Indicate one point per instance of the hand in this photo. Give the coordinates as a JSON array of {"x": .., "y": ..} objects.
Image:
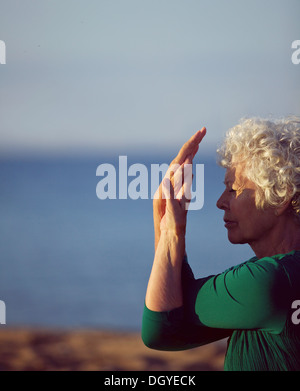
[
  {"x": 186, "y": 154},
  {"x": 177, "y": 192}
]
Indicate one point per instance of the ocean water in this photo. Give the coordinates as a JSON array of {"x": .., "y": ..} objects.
[{"x": 71, "y": 260}]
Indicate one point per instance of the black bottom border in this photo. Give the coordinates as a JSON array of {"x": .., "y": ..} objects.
[{"x": 144, "y": 380}]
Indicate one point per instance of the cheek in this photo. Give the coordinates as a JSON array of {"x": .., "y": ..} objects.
[
  {"x": 243, "y": 208},
  {"x": 244, "y": 211},
  {"x": 252, "y": 221}
]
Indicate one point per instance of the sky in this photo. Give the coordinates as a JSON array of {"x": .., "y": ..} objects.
[{"x": 83, "y": 76}]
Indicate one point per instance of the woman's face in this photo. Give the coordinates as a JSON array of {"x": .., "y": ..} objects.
[{"x": 244, "y": 222}]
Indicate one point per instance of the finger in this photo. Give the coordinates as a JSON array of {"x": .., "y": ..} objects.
[
  {"x": 169, "y": 191},
  {"x": 186, "y": 190},
  {"x": 175, "y": 174},
  {"x": 177, "y": 182},
  {"x": 194, "y": 152},
  {"x": 191, "y": 146},
  {"x": 167, "y": 188},
  {"x": 188, "y": 179},
  {"x": 182, "y": 180},
  {"x": 189, "y": 159}
]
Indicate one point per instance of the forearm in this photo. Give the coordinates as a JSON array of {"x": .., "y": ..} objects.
[{"x": 164, "y": 291}]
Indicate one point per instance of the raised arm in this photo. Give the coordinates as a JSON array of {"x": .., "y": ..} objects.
[{"x": 164, "y": 291}]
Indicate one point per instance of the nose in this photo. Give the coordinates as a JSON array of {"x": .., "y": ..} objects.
[{"x": 222, "y": 202}]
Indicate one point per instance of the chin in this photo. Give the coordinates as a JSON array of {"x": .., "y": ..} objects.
[{"x": 234, "y": 239}]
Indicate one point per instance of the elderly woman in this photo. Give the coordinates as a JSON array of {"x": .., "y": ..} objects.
[{"x": 251, "y": 303}]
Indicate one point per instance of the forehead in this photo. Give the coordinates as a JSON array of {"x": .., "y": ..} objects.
[
  {"x": 232, "y": 174},
  {"x": 229, "y": 175},
  {"x": 235, "y": 174}
]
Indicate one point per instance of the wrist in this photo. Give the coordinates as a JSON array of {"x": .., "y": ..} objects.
[
  {"x": 173, "y": 233},
  {"x": 173, "y": 228},
  {"x": 175, "y": 243}
]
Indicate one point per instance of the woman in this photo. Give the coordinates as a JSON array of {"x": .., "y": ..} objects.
[{"x": 251, "y": 303}]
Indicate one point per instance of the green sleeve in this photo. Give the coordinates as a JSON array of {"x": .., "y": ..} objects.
[
  {"x": 172, "y": 331},
  {"x": 253, "y": 295},
  {"x": 179, "y": 329}
]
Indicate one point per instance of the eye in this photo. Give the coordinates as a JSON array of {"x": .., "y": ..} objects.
[{"x": 232, "y": 191}]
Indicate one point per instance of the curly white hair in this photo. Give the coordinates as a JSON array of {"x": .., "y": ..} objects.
[{"x": 270, "y": 154}]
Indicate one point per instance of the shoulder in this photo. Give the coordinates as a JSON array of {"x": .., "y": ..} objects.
[
  {"x": 269, "y": 279},
  {"x": 266, "y": 269},
  {"x": 254, "y": 278},
  {"x": 253, "y": 294}
]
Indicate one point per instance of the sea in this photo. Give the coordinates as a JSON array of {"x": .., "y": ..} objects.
[{"x": 71, "y": 260}]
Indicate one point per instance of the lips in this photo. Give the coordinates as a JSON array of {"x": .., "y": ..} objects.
[{"x": 229, "y": 223}]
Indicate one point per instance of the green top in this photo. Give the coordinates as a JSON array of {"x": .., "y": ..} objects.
[{"x": 250, "y": 303}]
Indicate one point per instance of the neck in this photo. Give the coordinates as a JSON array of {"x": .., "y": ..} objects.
[{"x": 283, "y": 238}]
